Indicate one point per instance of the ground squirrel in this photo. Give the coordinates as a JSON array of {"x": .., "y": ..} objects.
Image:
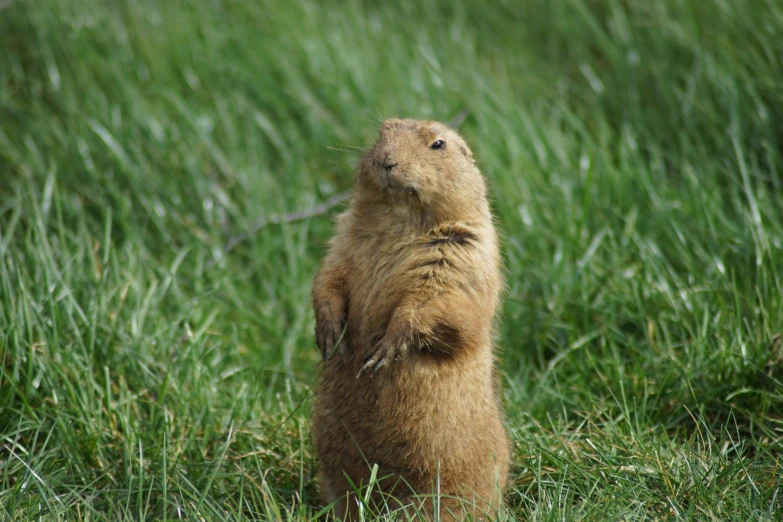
[{"x": 411, "y": 283}]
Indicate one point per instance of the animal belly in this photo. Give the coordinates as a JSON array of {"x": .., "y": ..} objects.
[{"x": 418, "y": 423}]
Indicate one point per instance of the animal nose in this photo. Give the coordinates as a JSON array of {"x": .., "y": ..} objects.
[{"x": 388, "y": 162}]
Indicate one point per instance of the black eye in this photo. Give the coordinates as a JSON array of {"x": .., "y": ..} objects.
[{"x": 438, "y": 145}]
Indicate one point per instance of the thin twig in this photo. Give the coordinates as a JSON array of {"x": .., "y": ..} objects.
[{"x": 317, "y": 210}]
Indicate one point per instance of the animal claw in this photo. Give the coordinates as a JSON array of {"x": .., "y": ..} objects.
[{"x": 386, "y": 354}]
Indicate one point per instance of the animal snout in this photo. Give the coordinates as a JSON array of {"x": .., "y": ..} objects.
[{"x": 388, "y": 162}]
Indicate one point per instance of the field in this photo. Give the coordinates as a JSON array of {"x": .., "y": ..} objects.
[{"x": 635, "y": 155}]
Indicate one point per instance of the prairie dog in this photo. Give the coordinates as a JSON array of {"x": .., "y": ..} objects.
[{"x": 411, "y": 281}]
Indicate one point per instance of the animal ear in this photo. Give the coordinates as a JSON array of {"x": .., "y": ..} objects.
[{"x": 465, "y": 150}]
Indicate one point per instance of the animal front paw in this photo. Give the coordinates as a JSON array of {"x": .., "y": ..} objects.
[
  {"x": 329, "y": 332},
  {"x": 388, "y": 351}
]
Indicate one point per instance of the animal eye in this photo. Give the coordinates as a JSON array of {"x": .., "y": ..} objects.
[{"x": 438, "y": 145}]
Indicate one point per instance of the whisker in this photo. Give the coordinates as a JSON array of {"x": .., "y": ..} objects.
[
  {"x": 375, "y": 118},
  {"x": 353, "y": 147},
  {"x": 341, "y": 150}
]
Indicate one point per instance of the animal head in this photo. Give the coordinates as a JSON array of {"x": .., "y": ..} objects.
[{"x": 423, "y": 164}]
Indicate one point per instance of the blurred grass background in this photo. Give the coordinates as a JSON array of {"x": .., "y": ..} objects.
[{"x": 634, "y": 150}]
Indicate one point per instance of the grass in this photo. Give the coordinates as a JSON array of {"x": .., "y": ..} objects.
[{"x": 635, "y": 153}]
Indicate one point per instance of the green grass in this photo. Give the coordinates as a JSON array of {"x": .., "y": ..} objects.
[{"x": 635, "y": 152}]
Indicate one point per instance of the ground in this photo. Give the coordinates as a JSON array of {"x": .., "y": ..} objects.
[{"x": 635, "y": 155}]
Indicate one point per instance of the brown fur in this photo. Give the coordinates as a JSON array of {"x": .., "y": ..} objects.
[{"x": 413, "y": 273}]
